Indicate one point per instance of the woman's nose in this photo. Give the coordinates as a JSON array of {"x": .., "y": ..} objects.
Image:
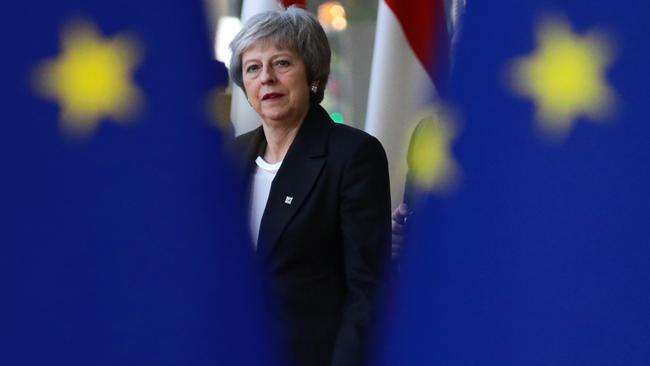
[{"x": 268, "y": 76}]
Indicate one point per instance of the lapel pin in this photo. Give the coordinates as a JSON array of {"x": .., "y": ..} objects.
[{"x": 288, "y": 200}]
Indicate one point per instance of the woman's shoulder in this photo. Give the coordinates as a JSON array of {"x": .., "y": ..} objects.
[
  {"x": 245, "y": 137},
  {"x": 245, "y": 141},
  {"x": 351, "y": 135},
  {"x": 348, "y": 140}
]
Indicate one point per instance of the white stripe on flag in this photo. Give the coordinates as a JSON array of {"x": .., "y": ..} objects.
[{"x": 401, "y": 92}]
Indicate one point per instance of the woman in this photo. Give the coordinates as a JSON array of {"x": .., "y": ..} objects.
[{"x": 319, "y": 191}]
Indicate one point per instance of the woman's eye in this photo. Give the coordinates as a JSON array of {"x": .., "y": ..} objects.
[
  {"x": 252, "y": 68},
  {"x": 282, "y": 63}
]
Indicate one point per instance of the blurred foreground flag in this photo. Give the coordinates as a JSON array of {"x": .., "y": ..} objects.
[
  {"x": 122, "y": 236},
  {"x": 542, "y": 255}
]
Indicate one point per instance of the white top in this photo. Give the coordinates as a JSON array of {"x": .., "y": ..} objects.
[{"x": 262, "y": 180}]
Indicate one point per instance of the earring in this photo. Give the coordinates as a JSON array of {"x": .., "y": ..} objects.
[{"x": 314, "y": 88}]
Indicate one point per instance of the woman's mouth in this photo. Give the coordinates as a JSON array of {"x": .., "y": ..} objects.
[{"x": 268, "y": 96}]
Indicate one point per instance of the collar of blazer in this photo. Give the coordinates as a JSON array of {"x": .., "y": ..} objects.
[{"x": 299, "y": 172}]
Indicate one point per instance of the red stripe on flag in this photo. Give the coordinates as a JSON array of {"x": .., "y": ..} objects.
[
  {"x": 425, "y": 27},
  {"x": 298, "y": 3}
]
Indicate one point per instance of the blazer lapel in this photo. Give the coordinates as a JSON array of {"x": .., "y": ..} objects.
[{"x": 294, "y": 181}]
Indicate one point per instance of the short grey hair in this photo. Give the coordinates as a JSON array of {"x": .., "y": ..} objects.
[{"x": 294, "y": 29}]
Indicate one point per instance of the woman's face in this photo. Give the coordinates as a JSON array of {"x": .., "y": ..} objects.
[{"x": 276, "y": 84}]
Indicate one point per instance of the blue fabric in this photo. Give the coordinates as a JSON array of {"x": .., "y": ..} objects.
[
  {"x": 541, "y": 256},
  {"x": 127, "y": 246}
]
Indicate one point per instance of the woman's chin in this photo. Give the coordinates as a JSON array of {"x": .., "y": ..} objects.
[{"x": 280, "y": 117}]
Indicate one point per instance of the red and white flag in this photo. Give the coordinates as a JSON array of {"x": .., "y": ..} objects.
[{"x": 410, "y": 57}]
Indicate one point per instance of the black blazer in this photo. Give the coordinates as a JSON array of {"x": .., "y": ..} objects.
[{"x": 324, "y": 237}]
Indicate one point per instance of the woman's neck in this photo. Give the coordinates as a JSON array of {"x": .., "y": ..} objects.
[{"x": 278, "y": 140}]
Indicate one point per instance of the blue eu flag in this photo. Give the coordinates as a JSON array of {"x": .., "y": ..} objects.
[
  {"x": 122, "y": 236},
  {"x": 538, "y": 251}
]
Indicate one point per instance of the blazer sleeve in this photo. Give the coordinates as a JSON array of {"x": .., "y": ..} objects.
[{"x": 365, "y": 227}]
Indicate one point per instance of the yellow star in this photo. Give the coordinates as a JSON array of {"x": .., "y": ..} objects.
[
  {"x": 431, "y": 164},
  {"x": 565, "y": 76},
  {"x": 91, "y": 79}
]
